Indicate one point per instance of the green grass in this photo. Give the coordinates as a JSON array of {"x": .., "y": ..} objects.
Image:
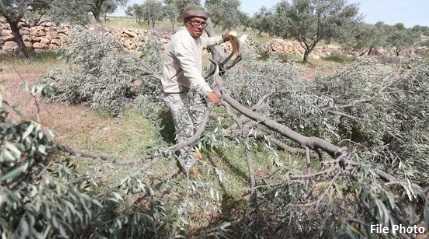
[
  {"x": 125, "y": 137},
  {"x": 339, "y": 58},
  {"x": 124, "y": 22},
  {"x": 38, "y": 61}
]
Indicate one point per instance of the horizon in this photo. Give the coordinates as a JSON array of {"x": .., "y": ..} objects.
[{"x": 410, "y": 13}]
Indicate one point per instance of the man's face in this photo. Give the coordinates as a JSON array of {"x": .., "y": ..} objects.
[{"x": 196, "y": 26}]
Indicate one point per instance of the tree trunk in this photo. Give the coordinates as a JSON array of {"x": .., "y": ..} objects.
[
  {"x": 173, "y": 23},
  {"x": 13, "y": 23},
  {"x": 306, "y": 54},
  {"x": 96, "y": 10},
  {"x": 96, "y": 15}
]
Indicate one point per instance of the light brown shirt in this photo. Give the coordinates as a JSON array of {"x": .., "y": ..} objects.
[{"x": 183, "y": 62}]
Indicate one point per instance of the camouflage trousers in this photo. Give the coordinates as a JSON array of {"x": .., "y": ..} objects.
[{"x": 188, "y": 110}]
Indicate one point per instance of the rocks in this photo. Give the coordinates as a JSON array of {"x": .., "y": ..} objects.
[
  {"x": 129, "y": 33},
  {"x": 56, "y": 42},
  {"x": 39, "y": 45},
  {"x": 6, "y": 37},
  {"x": 48, "y": 35},
  {"x": 10, "y": 46},
  {"x": 45, "y": 36}
]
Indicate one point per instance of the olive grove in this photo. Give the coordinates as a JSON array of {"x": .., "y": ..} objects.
[{"x": 340, "y": 153}]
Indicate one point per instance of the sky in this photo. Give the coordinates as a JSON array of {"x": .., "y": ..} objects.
[{"x": 409, "y": 12}]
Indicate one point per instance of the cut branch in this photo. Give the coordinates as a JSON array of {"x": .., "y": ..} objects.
[{"x": 313, "y": 143}]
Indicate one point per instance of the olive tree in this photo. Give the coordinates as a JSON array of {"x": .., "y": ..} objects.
[
  {"x": 98, "y": 8},
  {"x": 182, "y": 4},
  {"x": 15, "y": 11},
  {"x": 170, "y": 12},
  {"x": 225, "y": 13},
  {"x": 310, "y": 21},
  {"x": 263, "y": 20},
  {"x": 400, "y": 37}
]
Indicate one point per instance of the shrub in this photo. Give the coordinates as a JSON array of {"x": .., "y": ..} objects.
[
  {"x": 101, "y": 74},
  {"x": 42, "y": 197}
]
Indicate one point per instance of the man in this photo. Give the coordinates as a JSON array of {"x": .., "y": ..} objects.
[{"x": 185, "y": 90}]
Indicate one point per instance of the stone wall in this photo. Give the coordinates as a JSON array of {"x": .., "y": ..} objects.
[
  {"x": 293, "y": 47},
  {"x": 50, "y": 36},
  {"x": 45, "y": 36}
]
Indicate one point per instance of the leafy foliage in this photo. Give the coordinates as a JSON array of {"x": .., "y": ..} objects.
[
  {"x": 150, "y": 11},
  {"x": 309, "y": 21},
  {"x": 101, "y": 74},
  {"x": 225, "y": 13},
  {"x": 378, "y": 112},
  {"x": 42, "y": 196}
]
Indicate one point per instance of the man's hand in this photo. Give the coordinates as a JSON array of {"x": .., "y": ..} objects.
[
  {"x": 227, "y": 36},
  {"x": 214, "y": 97}
]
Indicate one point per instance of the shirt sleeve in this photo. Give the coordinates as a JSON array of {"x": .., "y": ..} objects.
[
  {"x": 188, "y": 64},
  {"x": 211, "y": 41}
]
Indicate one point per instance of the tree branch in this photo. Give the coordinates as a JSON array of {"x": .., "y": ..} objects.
[{"x": 310, "y": 142}]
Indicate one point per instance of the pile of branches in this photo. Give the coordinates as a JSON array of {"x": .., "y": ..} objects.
[
  {"x": 101, "y": 74},
  {"x": 42, "y": 196},
  {"x": 367, "y": 126},
  {"x": 378, "y": 113}
]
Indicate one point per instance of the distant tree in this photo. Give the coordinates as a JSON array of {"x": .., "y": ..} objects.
[
  {"x": 365, "y": 36},
  {"x": 310, "y": 21},
  {"x": 99, "y": 7},
  {"x": 182, "y": 4},
  {"x": 263, "y": 20},
  {"x": 224, "y": 13},
  {"x": 170, "y": 12},
  {"x": 152, "y": 12},
  {"x": 400, "y": 37},
  {"x": 137, "y": 11},
  {"x": 279, "y": 19},
  {"x": 245, "y": 19},
  {"x": 129, "y": 11},
  {"x": 421, "y": 29},
  {"x": 108, "y": 8}
]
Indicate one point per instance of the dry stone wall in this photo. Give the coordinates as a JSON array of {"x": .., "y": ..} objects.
[
  {"x": 293, "y": 47},
  {"x": 50, "y": 36},
  {"x": 45, "y": 36}
]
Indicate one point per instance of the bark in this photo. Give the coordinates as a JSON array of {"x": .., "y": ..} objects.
[
  {"x": 306, "y": 54},
  {"x": 13, "y": 23},
  {"x": 96, "y": 10},
  {"x": 313, "y": 143}
]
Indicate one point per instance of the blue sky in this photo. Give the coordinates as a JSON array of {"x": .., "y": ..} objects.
[{"x": 409, "y": 12}]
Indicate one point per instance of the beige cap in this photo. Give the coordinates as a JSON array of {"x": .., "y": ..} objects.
[{"x": 194, "y": 11}]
